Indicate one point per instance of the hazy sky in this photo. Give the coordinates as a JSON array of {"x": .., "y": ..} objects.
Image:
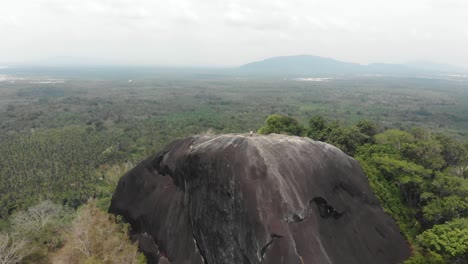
[{"x": 216, "y": 32}]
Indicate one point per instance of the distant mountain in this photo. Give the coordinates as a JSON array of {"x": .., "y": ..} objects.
[
  {"x": 301, "y": 64},
  {"x": 315, "y": 65}
]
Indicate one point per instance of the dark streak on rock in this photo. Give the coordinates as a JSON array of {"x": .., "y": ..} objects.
[
  {"x": 379, "y": 232},
  {"x": 200, "y": 251},
  {"x": 270, "y": 242}
]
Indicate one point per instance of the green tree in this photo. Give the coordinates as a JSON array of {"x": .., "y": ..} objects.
[
  {"x": 425, "y": 258},
  {"x": 427, "y": 153},
  {"x": 369, "y": 129},
  {"x": 420, "y": 133},
  {"x": 449, "y": 239},
  {"x": 444, "y": 185},
  {"x": 282, "y": 125},
  {"x": 394, "y": 137},
  {"x": 444, "y": 209},
  {"x": 317, "y": 128},
  {"x": 407, "y": 175},
  {"x": 453, "y": 151},
  {"x": 348, "y": 139}
]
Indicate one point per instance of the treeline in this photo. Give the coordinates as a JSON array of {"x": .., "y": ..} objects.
[
  {"x": 62, "y": 165},
  {"x": 47, "y": 178},
  {"x": 420, "y": 178},
  {"x": 70, "y": 164}
]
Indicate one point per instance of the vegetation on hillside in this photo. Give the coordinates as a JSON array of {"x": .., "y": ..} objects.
[{"x": 63, "y": 144}]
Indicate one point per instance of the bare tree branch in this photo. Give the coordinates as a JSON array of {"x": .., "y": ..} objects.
[{"x": 12, "y": 251}]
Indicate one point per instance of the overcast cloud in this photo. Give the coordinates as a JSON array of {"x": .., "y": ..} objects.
[{"x": 218, "y": 33}]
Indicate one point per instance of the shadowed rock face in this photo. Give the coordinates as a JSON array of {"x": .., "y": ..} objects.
[{"x": 260, "y": 199}]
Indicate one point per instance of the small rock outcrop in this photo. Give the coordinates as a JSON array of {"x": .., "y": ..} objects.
[{"x": 233, "y": 199}]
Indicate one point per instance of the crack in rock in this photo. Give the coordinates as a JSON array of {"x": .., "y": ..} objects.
[
  {"x": 199, "y": 248},
  {"x": 325, "y": 211},
  {"x": 270, "y": 242}
]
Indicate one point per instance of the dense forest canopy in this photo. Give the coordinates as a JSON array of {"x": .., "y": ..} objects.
[{"x": 64, "y": 143}]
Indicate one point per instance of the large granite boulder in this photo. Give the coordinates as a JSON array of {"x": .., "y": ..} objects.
[{"x": 256, "y": 199}]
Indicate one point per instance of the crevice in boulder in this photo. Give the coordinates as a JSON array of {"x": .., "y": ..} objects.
[
  {"x": 148, "y": 246},
  {"x": 164, "y": 170},
  {"x": 199, "y": 248},
  {"x": 161, "y": 170},
  {"x": 297, "y": 218},
  {"x": 195, "y": 240},
  {"x": 325, "y": 209},
  {"x": 300, "y": 216},
  {"x": 268, "y": 244}
]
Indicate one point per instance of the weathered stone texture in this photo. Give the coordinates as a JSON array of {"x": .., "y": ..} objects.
[{"x": 260, "y": 199}]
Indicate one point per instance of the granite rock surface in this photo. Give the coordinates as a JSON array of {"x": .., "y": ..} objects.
[{"x": 230, "y": 199}]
